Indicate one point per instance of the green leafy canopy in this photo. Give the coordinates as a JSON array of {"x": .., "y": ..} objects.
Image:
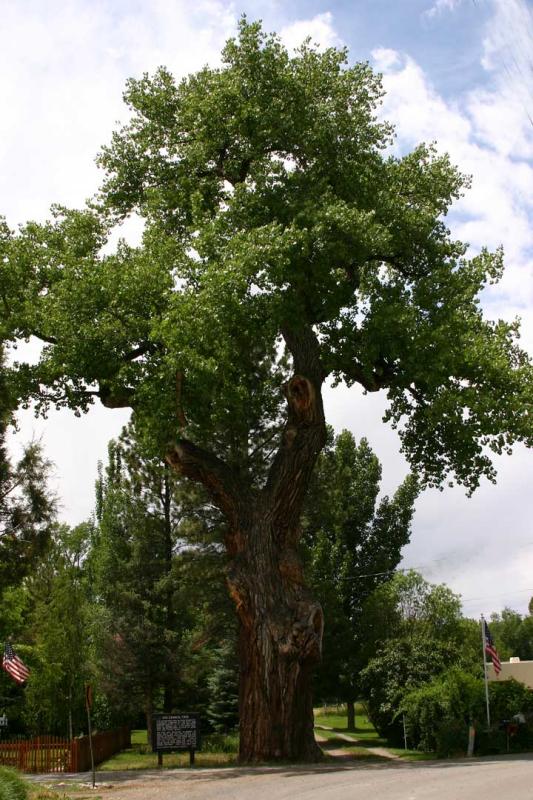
[{"x": 269, "y": 200}]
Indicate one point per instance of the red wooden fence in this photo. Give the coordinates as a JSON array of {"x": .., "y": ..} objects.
[{"x": 52, "y": 754}]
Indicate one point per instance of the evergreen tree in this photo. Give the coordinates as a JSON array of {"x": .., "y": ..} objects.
[
  {"x": 27, "y": 505},
  {"x": 223, "y": 685},
  {"x": 148, "y": 605}
]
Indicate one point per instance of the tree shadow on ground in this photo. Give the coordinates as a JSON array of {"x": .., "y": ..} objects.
[{"x": 286, "y": 770}]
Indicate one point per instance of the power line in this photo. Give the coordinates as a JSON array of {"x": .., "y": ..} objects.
[
  {"x": 392, "y": 571},
  {"x": 496, "y": 596}
]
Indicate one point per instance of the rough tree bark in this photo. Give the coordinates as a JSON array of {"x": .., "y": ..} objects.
[{"x": 280, "y": 624}]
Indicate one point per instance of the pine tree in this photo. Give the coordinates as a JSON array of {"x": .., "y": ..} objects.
[
  {"x": 27, "y": 505},
  {"x": 149, "y": 604},
  {"x": 223, "y": 684}
]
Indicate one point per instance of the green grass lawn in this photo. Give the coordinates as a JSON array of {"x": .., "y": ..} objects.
[
  {"x": 412, "y": 755},
  {"x": 36, "y": 792},
  {"x": 217, "y": 751},
  {"x": 365, "y": 735},
  {"x": 221, "y": 751},
  {"x": 336, "y": 719}
]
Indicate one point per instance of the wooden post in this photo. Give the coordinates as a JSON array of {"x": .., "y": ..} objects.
[
  {"x": 471, "y": 739},
  {"x": 74, "y": 747},
  {"x": 191, "y": 757},
  {"x": 88, "y": 704},
  {"x": 159, "y": 758}
]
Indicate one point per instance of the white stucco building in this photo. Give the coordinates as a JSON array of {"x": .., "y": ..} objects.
[{"x": 519, "y": 670}]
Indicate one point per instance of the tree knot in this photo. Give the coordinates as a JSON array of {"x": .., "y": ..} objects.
[{"x": 301, "y": 397}]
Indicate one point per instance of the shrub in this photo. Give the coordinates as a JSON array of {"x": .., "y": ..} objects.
[
  {"x": 438, "y": 714},
  {"x": 399, "y": 668},
  {"x": 508, "y": 698},
  {"x": 451, "y": 738},
  {"x": 12, "y": 786}
]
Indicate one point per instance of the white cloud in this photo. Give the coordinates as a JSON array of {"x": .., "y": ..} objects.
[
  {"x": 384, "y": 58},
  {"x": 482, "y": 547},
  {"x": 63, "y": 68},
  {"x": 508, "y": 36},
  {"x": 497, "y": 209},
  {"x": 440, "y": 6},
  {"x": 320, "y": 28}
]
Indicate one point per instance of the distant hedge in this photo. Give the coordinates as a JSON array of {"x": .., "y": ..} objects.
[{"x": 438, "y": 715}]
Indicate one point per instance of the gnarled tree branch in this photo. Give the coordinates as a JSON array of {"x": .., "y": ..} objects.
[
  {"x": 304, "y": 434},
  {"x": 222, "y": 483},
  {"x": 380, "y": 377}
]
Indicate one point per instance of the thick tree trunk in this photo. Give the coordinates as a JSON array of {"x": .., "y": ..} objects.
[
  {"x": 280, "y": 624},
  {"x": 350, "y": 713},
  {"x": 279, "y": 642}
]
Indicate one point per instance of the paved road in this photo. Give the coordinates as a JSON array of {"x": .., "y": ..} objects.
[{"x": 498, "y": 777}]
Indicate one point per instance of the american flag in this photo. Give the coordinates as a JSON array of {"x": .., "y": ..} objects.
[
  {"x": 491, "y": 651},
  {"x": 14, "y": 665}
]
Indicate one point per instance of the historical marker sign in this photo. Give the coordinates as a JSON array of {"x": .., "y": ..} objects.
[{"x": 175, "y": 732}]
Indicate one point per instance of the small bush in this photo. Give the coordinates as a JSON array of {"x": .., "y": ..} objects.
[{"x": 12, "y": 786}]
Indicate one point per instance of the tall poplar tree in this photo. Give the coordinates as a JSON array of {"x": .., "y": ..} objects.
[
  {"x": 283, "y": 245},
  {"x": 353, "y": 544},
  {"x": 58, "y": 625}
]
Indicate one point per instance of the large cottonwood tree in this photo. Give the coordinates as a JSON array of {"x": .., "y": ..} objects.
[{"x": 284, "y": 245}]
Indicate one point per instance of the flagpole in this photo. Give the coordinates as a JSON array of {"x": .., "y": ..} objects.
[{"x": 484, "y": 643}]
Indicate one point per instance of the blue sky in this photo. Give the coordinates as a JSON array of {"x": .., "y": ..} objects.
[
  {"x": 455, "y": 71},
  {"x": 446, "y": 45}
]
